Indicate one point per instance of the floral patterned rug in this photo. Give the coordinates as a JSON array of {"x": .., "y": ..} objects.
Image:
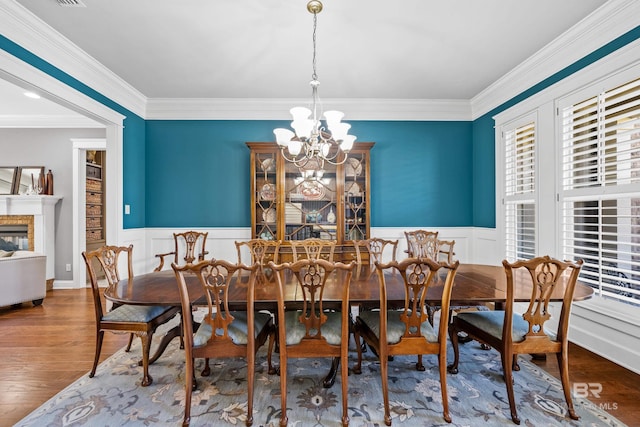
[{"x": 477, "y": 394}]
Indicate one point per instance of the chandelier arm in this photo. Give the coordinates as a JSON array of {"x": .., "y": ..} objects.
[{"x": 300, "y": 163}]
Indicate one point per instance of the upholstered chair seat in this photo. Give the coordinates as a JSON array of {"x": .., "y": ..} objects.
[
  {"x": 237, "y": 329},
  {"x": 134, "y": 313},
  {"x": 492, "y": 322},
  {"x": 296, "y": 331}
]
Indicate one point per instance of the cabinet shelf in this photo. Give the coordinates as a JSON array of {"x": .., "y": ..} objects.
[{"x": 94, "y": 200}]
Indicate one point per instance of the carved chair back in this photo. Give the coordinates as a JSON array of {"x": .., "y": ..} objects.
[
  {"x": 188, "y": 247},
  {"x": 107, "y": 258},
  {"x": 313, "y": 248},
  {"x": 422, "y": 244}
]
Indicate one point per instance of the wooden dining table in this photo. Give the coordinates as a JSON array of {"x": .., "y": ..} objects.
[{"x": 474, "y": 284}]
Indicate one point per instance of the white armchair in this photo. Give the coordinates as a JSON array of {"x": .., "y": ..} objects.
[{"x": 23, "y": 278}]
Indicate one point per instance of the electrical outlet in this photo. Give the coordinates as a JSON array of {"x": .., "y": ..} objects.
[{"x": 68, "y": 267}]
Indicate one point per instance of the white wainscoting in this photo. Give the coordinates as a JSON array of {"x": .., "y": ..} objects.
[{"x": 138, "y": 238}]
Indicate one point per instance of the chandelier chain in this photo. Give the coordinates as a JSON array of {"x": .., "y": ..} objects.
[{"x": 314, "y": 76}]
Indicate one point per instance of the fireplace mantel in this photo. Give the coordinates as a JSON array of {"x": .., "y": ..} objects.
[{"x": 43, "y": 210}]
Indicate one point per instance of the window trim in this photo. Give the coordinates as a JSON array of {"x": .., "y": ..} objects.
[{"x": 501, "y": 167}]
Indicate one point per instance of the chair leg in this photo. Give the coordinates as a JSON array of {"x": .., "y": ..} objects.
[
  {"x": 357, "y": 369},
  {"x": 206, "y": 371},
  {"x": 508, "y": 379},
  {"x": 251, "y": 371},
  {"x": 563, "y": 365},
  {"x": 516, "y": 366},
  {"x": 272, "y": 338},
  {"x": 99, "y": 339},
  {"x": 419, "y": 364},
  {"x": 189, "y": 385},
  {"x": 284, "y": 420},
  {"x": 430, "y": 313},
  {"x": 345, "y": 386},
  {"x": 384, "y": 371},
  {"x": 131, "y": 335},
  {"x": 453, "y": 337},
  {"x": 442, "y": 359},
  {"x": 146, "y": 349},
  {"x": 182, "y": 327}
]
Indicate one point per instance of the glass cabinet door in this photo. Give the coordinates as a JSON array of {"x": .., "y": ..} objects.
[
  {"x": 265, "y": 185},
  {"x": 356, "y": 207},
  {"x": 310, "y": 202}
]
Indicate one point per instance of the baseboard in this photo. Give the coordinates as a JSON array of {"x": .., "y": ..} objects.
[
  {"x": 63, "y": 284},
  {"x": 614, "y": 337}
]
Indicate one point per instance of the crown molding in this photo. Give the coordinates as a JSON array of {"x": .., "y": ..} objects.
[
  {"x": 22, "y": 74},
  {"x": 31, "y": 33},
  {"x": 48, "y": 121},
  {"x": 278, "y": 109},
  {"x": 611, "y": 20}
]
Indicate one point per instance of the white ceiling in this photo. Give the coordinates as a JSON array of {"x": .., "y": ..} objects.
[{"x": 413, "y": 49}]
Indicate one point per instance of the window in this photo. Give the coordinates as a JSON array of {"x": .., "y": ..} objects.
[
  {"x": 601, "y": 189},
  {"x": 519, "y": 191}
]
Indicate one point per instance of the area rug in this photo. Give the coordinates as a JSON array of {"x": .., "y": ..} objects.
[{"x": 477, "y": 394}]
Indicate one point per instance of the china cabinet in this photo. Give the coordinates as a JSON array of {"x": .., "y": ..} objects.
[{"x": 290, "y": 203}]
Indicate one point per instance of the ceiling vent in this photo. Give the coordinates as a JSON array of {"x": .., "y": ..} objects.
[{"x": 71, "y": 3}]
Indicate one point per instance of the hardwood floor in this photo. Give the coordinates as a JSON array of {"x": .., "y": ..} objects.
[{"x": 43, "y": 349}]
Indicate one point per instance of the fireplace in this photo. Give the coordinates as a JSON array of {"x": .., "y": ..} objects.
[
  {"x": 37, "y": 214},
  {"x": 16, "y": 232},
  {"x": 14, "y": 237}
]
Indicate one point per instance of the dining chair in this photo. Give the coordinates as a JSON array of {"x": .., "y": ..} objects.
[
  {"x": 445, "y": 250},
  {"x": 188, "y": 246},
  {"x": 513, "y": 334},
  {"x": 377, "y": 248},
  {"x": 406, "y": 330},
  {"x": 222, "y": 333},
  {"x": 314, "y": 330},
  {"x": 422, "y": 243},
  {"x": 313, "y": 248},
  {"x": 141, "y": 320},
  {"x": 259, "y": 251}
]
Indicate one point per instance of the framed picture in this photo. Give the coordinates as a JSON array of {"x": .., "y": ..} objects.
[
  {"x": 30, "y": 180},
  {"x": 8, "y": 176}
]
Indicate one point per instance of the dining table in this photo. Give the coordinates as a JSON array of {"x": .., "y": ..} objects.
[{"x": 474, "y": 284}]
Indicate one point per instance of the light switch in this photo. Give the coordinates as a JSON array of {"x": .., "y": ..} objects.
[{"x": 127, "y": 209}]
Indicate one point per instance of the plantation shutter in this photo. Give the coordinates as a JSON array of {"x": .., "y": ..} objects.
[
  {"x": 601, "y": 189},
  {"x": 519, "y": 192}
]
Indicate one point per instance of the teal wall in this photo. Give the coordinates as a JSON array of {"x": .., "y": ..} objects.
[
  {"x": 421, "y": 172},
  {"x": 195, "y": 173},
  {"x": 484, "y": 212},
  {"x": 133, "y": 132}
]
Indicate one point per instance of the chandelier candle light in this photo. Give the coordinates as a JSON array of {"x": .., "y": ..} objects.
[{"x": 312, "y": 144}]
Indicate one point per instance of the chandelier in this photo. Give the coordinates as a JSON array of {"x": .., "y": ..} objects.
[{"x": 313, "y": 143}]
